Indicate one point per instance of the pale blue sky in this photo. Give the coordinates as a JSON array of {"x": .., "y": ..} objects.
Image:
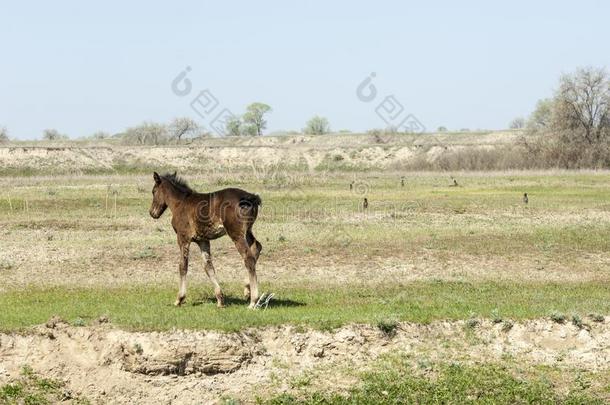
[{"x": 80, "y": 67}]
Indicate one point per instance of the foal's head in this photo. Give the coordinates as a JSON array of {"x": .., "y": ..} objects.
[{"x": 159, "y": 205}]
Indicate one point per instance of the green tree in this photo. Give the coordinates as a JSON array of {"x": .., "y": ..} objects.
[
  {"x": 255, "y": 118},
  {"x": 233, "y": 126},
  {"x": 541, "y": 117},
  {"x": 317, "y": 126}
]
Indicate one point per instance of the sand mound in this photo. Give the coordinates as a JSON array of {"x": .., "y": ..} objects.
[{"x": 106, "y": 364}]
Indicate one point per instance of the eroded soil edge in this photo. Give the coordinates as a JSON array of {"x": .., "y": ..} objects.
[{"x": 107, "y": 364}]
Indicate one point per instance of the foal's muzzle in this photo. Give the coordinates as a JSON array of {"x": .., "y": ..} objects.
[{"x": 156, "y": 212}]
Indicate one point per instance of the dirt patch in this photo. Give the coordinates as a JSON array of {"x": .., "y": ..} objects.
[{"x": 109, "y": 365}]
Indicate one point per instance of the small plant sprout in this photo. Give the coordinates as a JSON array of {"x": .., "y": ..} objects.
[
  {"x": 388, "y": 326},
  {"x": 577, "y": 321},
  {"x": 558, "y": 317},
  {"x": 472, "y": 323},
  {"x": 495, "y": 316}
]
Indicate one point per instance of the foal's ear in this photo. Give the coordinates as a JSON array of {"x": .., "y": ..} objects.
[{"x": 157, "y": 178}]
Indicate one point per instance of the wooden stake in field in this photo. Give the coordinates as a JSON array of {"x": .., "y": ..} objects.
[{"x": 114, "y": 192}]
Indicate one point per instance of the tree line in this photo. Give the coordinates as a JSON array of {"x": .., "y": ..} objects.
[
  {"x": 252, "y": 123},
  {"x": 570, "y": 129}
]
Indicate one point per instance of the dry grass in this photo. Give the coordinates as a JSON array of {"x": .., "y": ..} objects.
[{"x": 311, "y": 228}]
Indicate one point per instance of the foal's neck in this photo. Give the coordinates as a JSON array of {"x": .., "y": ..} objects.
[{"x": 173, "y": 195}]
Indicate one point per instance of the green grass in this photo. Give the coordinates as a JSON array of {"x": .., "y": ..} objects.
[
  {"x": 396, "y": 383},
  {"x": 149, "y": 307},
  {"x": 31, "y": 389}
]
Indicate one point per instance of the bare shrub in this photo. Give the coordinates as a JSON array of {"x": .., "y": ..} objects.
[
  {"x": 557, "y": 152},
  {"x": 147, "y": 133},
  {"x": 182, "y": 127},
  {"x": 517, "y": 123},
  {"x": 99, "y": 135},
  {"x": 506, "y": 157},
  {"x": 3, "y": 135}
]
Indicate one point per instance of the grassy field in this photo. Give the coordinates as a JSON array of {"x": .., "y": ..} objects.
[
  {"x": 421, "y": 252},
  {"x": 149, "y": 308},
  {"x": 394, "y": 381},
  {"x": 84, "y": 247}
]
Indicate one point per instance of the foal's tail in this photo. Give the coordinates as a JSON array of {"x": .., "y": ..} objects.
[
  {"x": 248, "y": 205},
  {"x": 250, "y": 200}
]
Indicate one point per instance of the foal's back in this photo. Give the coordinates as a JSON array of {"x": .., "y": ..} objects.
[{"x": 230, "y": 210}]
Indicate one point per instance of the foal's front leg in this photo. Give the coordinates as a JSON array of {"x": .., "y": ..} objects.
[
  {"x": 183, "y": 267},
  {"x": 209, "y": 269}
]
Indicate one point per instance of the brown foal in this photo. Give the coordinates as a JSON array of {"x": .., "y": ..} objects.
[{"x": 201, "y": 217}]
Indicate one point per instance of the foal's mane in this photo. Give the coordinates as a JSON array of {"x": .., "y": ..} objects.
[{"x": 178, "y": 182}]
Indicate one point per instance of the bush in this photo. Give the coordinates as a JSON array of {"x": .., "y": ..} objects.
[
  {"x": 317, "y": 126},
  {"x": 53, "y": 135}
]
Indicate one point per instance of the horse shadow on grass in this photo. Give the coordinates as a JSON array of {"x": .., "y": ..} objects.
[{"x": 230, "y": 301}]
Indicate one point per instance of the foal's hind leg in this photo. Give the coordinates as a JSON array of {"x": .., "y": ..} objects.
[
  {"x": 209, "y": 269},
  {"x": 250, "y": 261},
  {"x": 183, "y": 269},
  {"x": 256, "y": 248}
]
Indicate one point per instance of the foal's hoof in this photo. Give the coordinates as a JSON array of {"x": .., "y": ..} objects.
[
  {"x": 220, "y": 301},
  {"x": 252, "y": 306},
  {"x": 179, "y": 301}
]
